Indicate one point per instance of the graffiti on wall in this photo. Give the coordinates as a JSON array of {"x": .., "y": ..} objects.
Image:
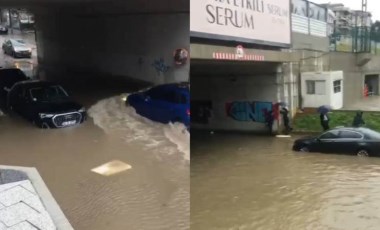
[
  {"x": 201, "y": 111},
  {"x": 160, "y": 66},
  {"x": 249, "y": 111}
]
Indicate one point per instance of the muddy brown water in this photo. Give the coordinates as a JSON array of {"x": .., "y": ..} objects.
[
  {"x": 154, "y": 194},
  {"x": 249, "y": 182}
]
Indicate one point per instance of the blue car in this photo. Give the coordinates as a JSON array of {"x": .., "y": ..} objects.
[{"x": 164, "y": 103}]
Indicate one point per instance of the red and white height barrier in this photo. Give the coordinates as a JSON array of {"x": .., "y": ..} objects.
[{"x": 235, "y": 57}]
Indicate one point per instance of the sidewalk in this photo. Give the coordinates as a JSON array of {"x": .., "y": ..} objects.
[
  {"x": 26, "y": 204},
  {"x": 21, "y": 208}
]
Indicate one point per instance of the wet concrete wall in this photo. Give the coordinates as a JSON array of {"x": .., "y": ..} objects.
[
  {"x": 305, "y": 41},
  {"x": 354, "y": 67},
  {"x": 354, "y": 74},
  {"x": 121, "y": 46}
]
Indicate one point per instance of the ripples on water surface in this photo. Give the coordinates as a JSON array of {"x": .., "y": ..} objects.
[
  {"x": 249, "y": 182},
  {"x": 113, "y": 116}
]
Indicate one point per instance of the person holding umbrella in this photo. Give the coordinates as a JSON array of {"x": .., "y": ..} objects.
[
  {"x": 325, "y": 120},
  {"x": 323, "y": 116}
]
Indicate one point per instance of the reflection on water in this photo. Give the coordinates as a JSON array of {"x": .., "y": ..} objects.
[{"x": 249, "y": 182}]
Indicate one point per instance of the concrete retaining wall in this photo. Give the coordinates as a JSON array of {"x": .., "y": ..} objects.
[{"x": 139, "y": 46}]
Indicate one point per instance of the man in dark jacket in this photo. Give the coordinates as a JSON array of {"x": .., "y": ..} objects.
[
  {"x": 285, "y": 117},
  {"x": 358, "y": 120},
  {"x": 269, "y": 118},
  {"x": 324, "y": 121}
]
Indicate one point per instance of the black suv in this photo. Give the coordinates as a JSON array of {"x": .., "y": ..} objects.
[{"x": 46, "y": 104}]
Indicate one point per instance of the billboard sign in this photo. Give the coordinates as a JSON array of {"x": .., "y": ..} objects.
[{"x": 251, "y": 21}]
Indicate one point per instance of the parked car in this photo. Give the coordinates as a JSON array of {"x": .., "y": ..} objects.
[
  {"x": 9, "y": 77},
  {"x": 45, "y": 104},
  {"x": 164, "y": 103},
  {"x": 17, "y": 48},
  {"x": 3, "y": 29},
  {"x": 358, "y": 141}
]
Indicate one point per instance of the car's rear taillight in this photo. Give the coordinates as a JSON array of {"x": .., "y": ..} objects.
[{"x": 188, "y": 112}]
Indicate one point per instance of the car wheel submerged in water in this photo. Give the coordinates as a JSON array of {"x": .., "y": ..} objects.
[
  {"x": 45, "y": 126},
  {"x": 362, "y": 153},
  {"x": 304, "y": 149}
]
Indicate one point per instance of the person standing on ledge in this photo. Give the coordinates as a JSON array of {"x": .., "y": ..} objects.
[
  {"x": 285, "y": 117},
  {"x": 325, "y": 120}
]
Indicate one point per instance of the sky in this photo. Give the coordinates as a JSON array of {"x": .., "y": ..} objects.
[{"x": 373, "y": 5}]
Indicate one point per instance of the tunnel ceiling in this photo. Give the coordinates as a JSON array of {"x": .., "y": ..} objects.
[{"x": 104, "y": 6}]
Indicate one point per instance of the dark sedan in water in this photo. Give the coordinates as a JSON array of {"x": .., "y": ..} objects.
[
  {"x": 45, "y": 104},
  {"x": 356, "y": 141}
]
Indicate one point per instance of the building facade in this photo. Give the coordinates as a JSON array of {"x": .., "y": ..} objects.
[{"x": 240, "y": 70}]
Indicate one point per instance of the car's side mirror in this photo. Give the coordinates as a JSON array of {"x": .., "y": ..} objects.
[{"x": 318, "y": 139}]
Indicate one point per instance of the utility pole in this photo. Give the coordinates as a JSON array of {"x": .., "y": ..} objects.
[
  {"x": 364, "y": 5},
  {"x": 365, "y": 38},
  {"x": 10, "y": 21}
]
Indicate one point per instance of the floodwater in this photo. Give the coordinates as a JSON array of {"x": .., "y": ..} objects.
[
  {"x": 249, "y": 182},
  {"x": 154, "y": 194}
]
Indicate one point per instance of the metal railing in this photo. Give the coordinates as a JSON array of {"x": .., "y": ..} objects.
[{"x": 353, "y": 39}]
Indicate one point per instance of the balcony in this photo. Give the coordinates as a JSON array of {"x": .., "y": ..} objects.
[{"x": 344, "y": 18}]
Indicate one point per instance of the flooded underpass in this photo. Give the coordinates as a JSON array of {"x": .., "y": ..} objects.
[
  {"x": 249, "y": 182},
  {"x": 154, "y": 194}
]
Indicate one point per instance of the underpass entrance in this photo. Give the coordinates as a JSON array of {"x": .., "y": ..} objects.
[{"x": 234, "y": 95}]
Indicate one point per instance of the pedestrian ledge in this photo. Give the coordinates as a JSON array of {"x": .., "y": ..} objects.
[
  {"x": 21, "y": 208},
  {"x": 27, "y": 204}
]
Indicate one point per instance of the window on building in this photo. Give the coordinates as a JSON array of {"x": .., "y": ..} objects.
[
  {"x": 337, "y": 86},
  {"x": 316, "y": 87},
  {"x": 310, "y": 87}
]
